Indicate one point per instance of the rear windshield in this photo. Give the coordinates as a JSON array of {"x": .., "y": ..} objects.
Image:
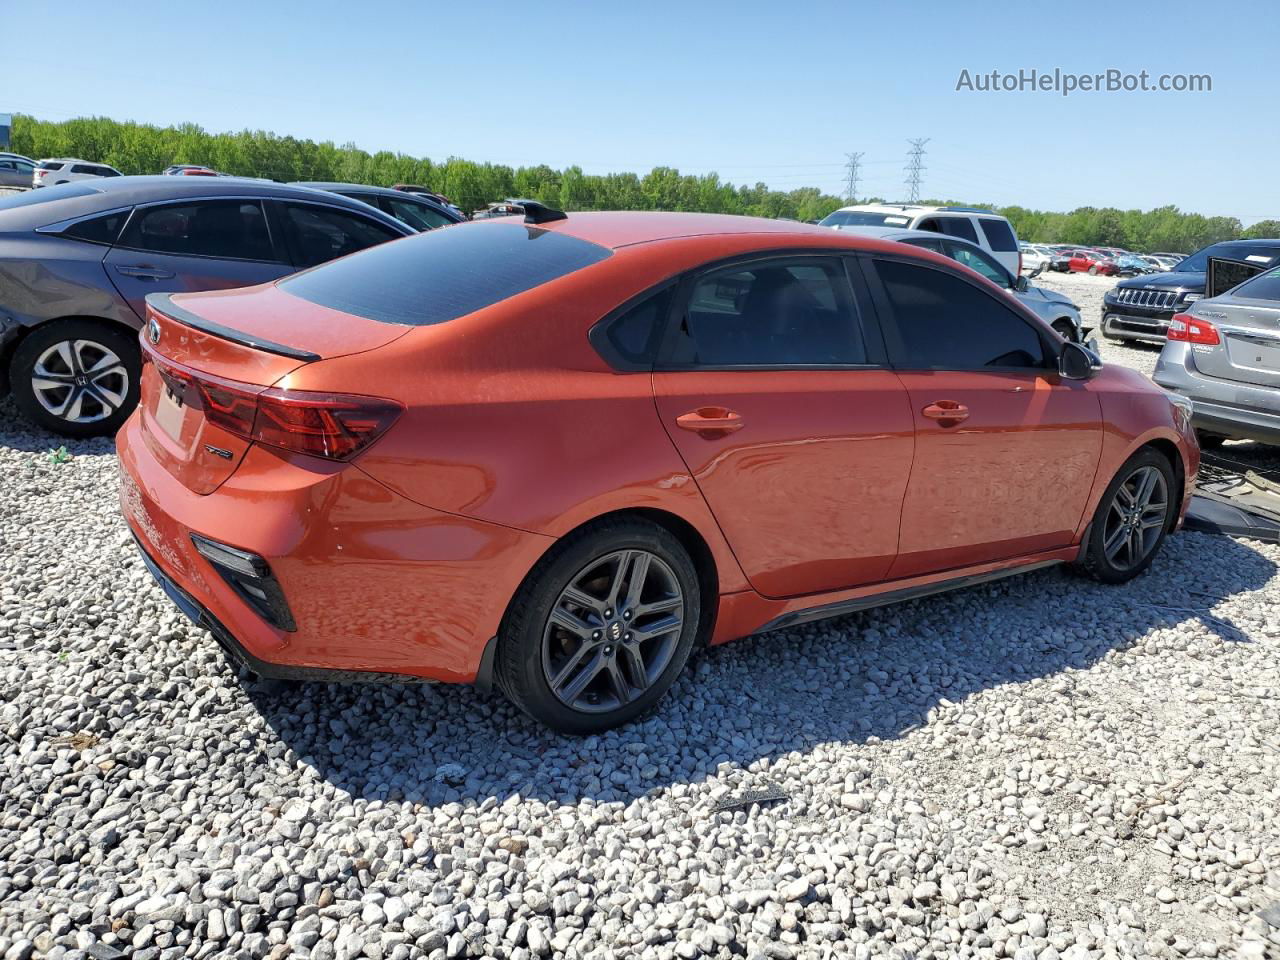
[
  {"x": 63, "y": 191},
  {"x": 1265, "y": 286},
  {"x": 864, "y": 218},
  {"x": 50, "y": 164},
  {"x": 999, "y": 234},
  {"x": 444, "y": 274}
]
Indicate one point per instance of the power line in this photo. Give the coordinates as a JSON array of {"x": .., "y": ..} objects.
[
  {"x": 915, "y": 167},
  {"x": 851, "y": 176}
]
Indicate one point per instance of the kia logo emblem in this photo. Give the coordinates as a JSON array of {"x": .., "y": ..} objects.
[
  {"x": 153, "y": 330},
  {"x": 616, "y": 631}
]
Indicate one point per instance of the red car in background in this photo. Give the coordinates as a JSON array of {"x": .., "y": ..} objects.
[
  {"x": 1092, "y": 262},
  {"x": 559, "y": 454}
]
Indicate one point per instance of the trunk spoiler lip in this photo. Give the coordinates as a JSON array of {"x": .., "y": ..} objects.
[{"x": 163, "y": 303}]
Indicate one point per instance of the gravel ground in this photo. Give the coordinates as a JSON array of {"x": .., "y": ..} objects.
[{"x": 1041, "y": 768}]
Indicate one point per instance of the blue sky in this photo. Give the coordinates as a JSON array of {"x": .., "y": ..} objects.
[{"x": 769, "y": 91}]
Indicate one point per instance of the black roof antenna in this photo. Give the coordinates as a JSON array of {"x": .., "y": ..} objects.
[{"x": 535, "y": 212}]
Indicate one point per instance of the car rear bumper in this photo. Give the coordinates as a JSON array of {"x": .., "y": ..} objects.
[
  {"x": 379, "y": 586},
  {"x": 1224, "y": 407}
]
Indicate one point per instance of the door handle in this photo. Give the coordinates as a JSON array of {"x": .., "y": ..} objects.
[
  {"x": 144, "y": 272},
  {"x": 948, "y": 413},
  {"x": 710, "y": 422}
]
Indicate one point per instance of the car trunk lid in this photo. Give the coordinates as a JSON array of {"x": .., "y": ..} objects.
[
  {"x": 208, "y": 357},
  {"x": 1249, "y": 342}
]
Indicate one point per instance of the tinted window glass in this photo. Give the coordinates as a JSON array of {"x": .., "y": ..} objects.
[
  {"x": 8, "y": 165},
  {"x": 934, "y": 245},
  {"x": 50, "y": 164},
  {"x": 978, "y": 260},
  {"x": 417, "y": 215},
  {"x": 635, "y": 334},
  {"x": 947, "y": 323},
  {"x": 102, "y": 229},
  {"x": 209, "y": 228},
  {"x": 318, "y": 234},
  {"x": 106, "y": 171},
  {"x": 63, "y": 191},
  {"x": 1265, "y": 286},
  {"x": 952, "y": 226},
  {"x": 442, "y": 274},
  {"x": 999, "y": 234},
  {"x": 771, "y": 314},
  {"x": 1249, "y": 253},
  {"x": 85, "y": 168},
  {"x": 24, "y": 167}
]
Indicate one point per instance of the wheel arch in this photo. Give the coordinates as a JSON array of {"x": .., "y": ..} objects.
[
  {"x": 1169, "y": 450},
  {"x": 9, "y": 348}
]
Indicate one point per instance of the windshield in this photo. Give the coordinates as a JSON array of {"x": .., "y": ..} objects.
[
  {"x": 1199, "y": 262},
  {"x": 863, "y": 218}
]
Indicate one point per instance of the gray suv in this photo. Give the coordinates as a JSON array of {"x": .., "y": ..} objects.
[
  {"x": 1223, "y": 354},
  {"x": 78, "y": 260}
]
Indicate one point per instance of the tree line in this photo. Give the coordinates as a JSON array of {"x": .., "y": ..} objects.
[{"x": 136, "y": 148}]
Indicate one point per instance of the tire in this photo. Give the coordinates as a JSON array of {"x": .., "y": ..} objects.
[
  {"x": 1093, "y": 271},
  {"x": 1065, "y": 330},
  {"x": 1118, "y": 566},
  {"x": 533, "y": 652},
  {"x": 63, "y": 350}
]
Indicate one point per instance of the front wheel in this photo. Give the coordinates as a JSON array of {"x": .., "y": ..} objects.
[
  {"x": 78, "y": 378},
  {"x": 1065, "y": 330},
  {"x": 1134, "y": 516},
  {"x": 601, "y": 627},
  {"x": 1093, "y": 271}
]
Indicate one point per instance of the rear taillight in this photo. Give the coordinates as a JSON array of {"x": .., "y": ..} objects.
[
  {"x": 335, "y": 426},
  {"x": 1185, "y": 328}
]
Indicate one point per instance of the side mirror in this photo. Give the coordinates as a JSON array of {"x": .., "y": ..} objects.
[
  {"x": 1022, "y": 284},
  {"x": 1077, "y": 362}
]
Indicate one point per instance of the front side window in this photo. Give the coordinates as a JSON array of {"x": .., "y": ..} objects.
[
  {"x": 318, "y": 234},
  {"x": 420, "y": 216},
  {"x": 945, "y": 323},
  {"x": 979, "y": 261},
  {"x": 234, "y": 229},
  {"x": 776, "y": 313}
]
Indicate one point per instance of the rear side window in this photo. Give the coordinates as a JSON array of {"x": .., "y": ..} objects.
[
  {"x": 632, "y": 337},
  {"x": 945, "y": 323},
  {"x": 952, "y": 226},
  {"x": 771, "y": 314},
  {"x": 103, "y": 229},
  {"x": 1265, "y": 286},
  {"x": 317, "y": 234},
  {"x": 233, "y": 229},
  {"x": 999, "y": 234},
  {"x": 87, "y": 168},
  {"x": 440, "y": 275}
]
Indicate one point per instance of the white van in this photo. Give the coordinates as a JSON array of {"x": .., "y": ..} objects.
[{"x": 987, "y": 229}]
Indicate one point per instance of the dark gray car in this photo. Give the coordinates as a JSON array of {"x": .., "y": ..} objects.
[
  {"x": 78, "y": 260},
  {"x": 418, "y": 211},
  {"x": 1223, "y": 354}
]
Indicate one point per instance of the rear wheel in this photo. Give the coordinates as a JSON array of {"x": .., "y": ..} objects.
[
  {"x": 601, "y": 628},
  {"x": 78, "y": 378},
  {"x": 1093, "y": 271},
  {"x": 1132, "y": 519}
]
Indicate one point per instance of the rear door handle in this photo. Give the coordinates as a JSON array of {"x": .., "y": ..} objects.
[
  {"x": 143, "y": 272},
  {"x": 710, "y": 422},
  {"x": 948, "y": 413}
]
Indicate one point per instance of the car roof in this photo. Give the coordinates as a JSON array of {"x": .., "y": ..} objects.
[
  {"x": 95, "y": 196},
  {"x": 624, "y": 228},
  {"x": 363, "y": 188}
]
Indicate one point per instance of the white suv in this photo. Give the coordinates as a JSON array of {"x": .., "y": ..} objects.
[
  {"x": 66, "y": 169},
  {"x": 988, "y": 230}
]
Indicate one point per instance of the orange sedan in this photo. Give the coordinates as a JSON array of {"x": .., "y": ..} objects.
[{"x": 559, "y": 455}]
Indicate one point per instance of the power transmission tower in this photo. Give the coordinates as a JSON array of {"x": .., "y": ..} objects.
[
  {"x": 915, "y": 167},
  {"x": 851, "y": 176}
]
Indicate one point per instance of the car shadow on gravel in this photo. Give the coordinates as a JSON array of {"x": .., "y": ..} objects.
[
  {"x": 871, "y": 675},
  {"x": 28, "y": 438}
]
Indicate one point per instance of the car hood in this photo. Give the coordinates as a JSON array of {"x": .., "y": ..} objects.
[
  {"x": 1052, "y": 296},
  {"x": 1165, "y": 281}
]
